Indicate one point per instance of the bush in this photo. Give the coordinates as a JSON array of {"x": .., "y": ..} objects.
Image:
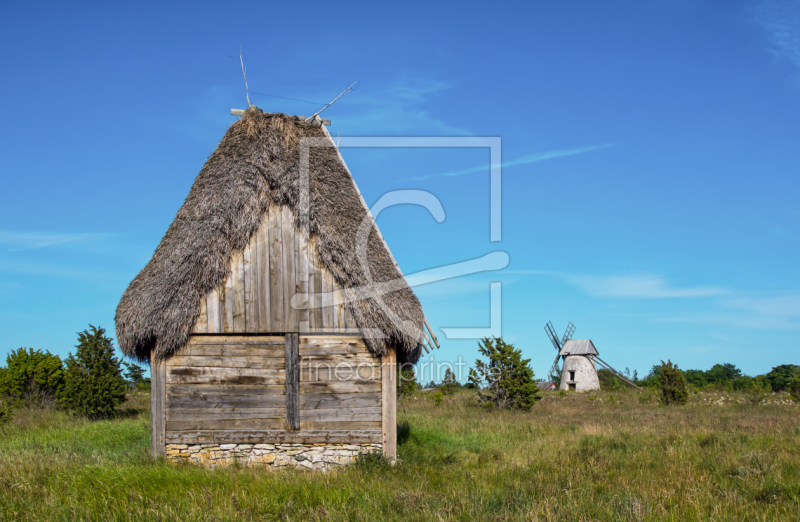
[
  {"x": 34, "y": 376},
  {"x": 407, "y": 381},
  {"x": 782, "y": 376},
  {"x": 93, "y": 383},
  {"x": 508, "y": 378},
  {"x": 609, "y": 381},
  {"x": 794, "y": 388},
  {"x": 672, "y": 384},
  {"x": 6, "y": 415}
]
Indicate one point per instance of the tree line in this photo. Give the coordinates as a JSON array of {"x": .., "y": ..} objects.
[{"x": 91, "y": 382}]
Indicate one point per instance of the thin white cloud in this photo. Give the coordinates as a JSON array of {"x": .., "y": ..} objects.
[
  {"x": 780, "y": 20},
  {"x": 524, "y": 160},
  {"x": 636, "y": 286},
  {"x": 18, "y": 241}
]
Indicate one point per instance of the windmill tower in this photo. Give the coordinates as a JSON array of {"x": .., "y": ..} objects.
[{"x": 579, "y": 370}]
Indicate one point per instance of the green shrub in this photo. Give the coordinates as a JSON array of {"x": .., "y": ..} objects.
[
  {"x": 508, "y": 377},
  {"x": 672, "y": 384},
  {"x": 756, "y": 390},
  {"x": 781, "y": 376},
  {"x": 609, "y": 381},
  {"x": 34, "y": 376},
  {"x": 794, "y": 388},
  {"x": 449, "y": 383},
  {"x": 407, "y": 381},
  {"x": 6, "y": 415},
  {"x": 93, "y": 383}
]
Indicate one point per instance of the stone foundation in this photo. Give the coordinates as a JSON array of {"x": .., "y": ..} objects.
[{"x": 312, "y": 456}]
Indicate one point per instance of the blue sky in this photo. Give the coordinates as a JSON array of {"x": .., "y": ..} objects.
[{"x": 651, "y": 156}]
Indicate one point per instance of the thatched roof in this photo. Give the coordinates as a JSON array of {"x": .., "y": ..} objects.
[{"x": 254, "y": 166}]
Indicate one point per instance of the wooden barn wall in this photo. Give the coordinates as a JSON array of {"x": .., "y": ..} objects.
[
  {"x": 278, "y": 263},
  {"x": 233, "y": 389}
]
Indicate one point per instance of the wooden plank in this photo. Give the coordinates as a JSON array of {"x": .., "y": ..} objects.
[
  {"x": 292, "y": 381},
  {"x": 314, "y": 287},
  {"x": 347, "y": 425},
  {"x": 208, "y": 402},
  {"x": 332, "y": 359},
  {"x": 237, "y": 275},
  {"x": 201, "y": 325},
  {"x": 212, "y": 305},
  {"x": 226, "y": 304},
  {"x": 157, "y": 408},
  {"x": 250, "y": 361},
  {"x": 389, "y": 404},
  {"x": 236, "y": 339},
  {"x": 231, "y": 350},
  {"x": 338, "y": 400},
  {"x": 228, "y": 413},
  {"x": 341, "y": 372},
  {"x": 370, "y": 414},
  {"x": 301, "y": 277},
  {"x": 274, "y": 437},
  {"x": 324, "y": 387},
  {"x": 276, "y": 311},
  {"x": 226, "y": 389},
  {"x": 328, "y": 320},
  {"x": 289, "y": 269},
  {"x": 227, "y": 424},
  {"x": 214, "y": 375},
  {"x": 352, "y": 343},
  {"x": 250, "y": 265},
  {"x": 262, "y": 293}
]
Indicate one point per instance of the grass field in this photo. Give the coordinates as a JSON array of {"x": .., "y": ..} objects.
[{"x": 580, "y": 457}]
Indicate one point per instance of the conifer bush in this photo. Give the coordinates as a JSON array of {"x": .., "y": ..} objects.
[
  {"x": 33, "y": 376},
  {"x": 506, "y": 380},
  {"x": 93, "y": 382},
  {"x": 672, "y": 383},
  {"x": 449, "y": 383},
  {"x": 407, "y": 381}
]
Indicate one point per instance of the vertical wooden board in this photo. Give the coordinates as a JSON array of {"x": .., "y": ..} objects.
[
  {"x": 389, "y": 403},
  {"x": 293, "y": 381},
  {"x": 338, "y": 310},
  {"x": 201, "y": 325},
  {"x": 327, "y": 301},
  {"x": 158, "y": 446},
  {"x": 276, "y": 311},
  {"x": 301, "y": 284},
  {"x": 262, "y": 293},
  {"x": 315, "y": 286},
  {"x": 250, "y": 265},
  {"x": 226, "y": 304},
  {"x": 237, "y": 274},
  {"x": 289, "y": 271},
  {"x": 352, "y": 327},
  {"x": 212, "y": 306}
]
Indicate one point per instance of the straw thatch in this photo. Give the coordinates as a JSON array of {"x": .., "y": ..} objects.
[{"x": 254, "y": 166}]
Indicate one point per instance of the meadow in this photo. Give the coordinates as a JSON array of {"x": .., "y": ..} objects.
[{"x": 573, "y": 457}]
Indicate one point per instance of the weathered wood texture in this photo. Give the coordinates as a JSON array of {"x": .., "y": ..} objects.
[
  {"x": 291, "y": 388},
  {"x": 389, "y": 404},
  {"x": 278, "y": 264},
  {"x": 335, "y": 373},
  {"x": 157, "y": 408},
  {"x": 227, "y": 383},
  {"x": 292, "y": 382}
]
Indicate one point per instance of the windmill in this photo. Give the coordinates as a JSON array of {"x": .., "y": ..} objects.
[{"x": 581, "y": 358}]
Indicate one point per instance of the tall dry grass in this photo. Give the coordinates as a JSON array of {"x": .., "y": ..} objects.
[{"x": 579, "y": 457}]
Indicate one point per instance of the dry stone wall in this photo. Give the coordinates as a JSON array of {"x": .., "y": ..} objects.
[{"x": 312, "y": 456}]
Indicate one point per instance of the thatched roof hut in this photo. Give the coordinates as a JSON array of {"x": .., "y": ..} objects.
[{"x": 272, "y": 278}]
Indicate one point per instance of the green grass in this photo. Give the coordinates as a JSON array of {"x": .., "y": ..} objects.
[{"x": 581, "y": 457}]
